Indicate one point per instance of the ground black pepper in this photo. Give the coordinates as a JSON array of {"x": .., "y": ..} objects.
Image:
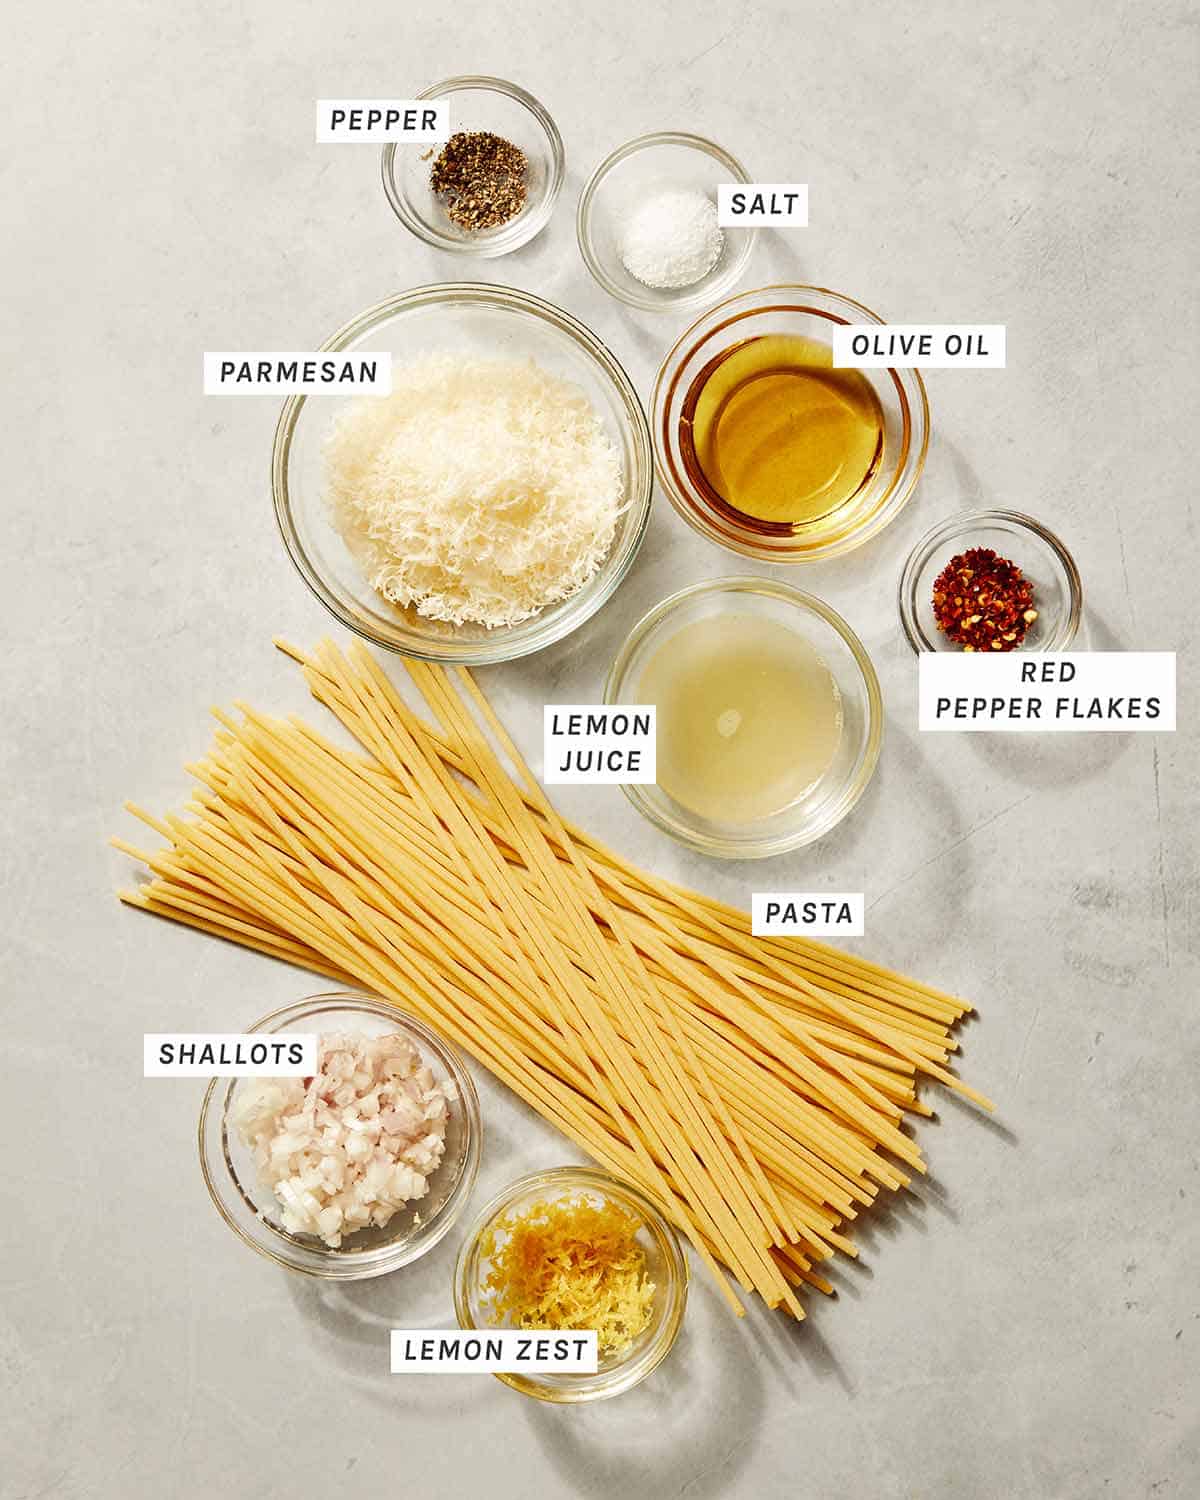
[
  {"x": 983, "y": 601},
  {"x": 481, "y": 176}
]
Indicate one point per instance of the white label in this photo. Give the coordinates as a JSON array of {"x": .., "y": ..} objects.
[
  {"x": 357, "y": 122},
  {"x": 606, "y": 746},
  {"x": 456, "y": 1351},
  {"x": 778, "y": 205},
  {"x": 1018, "y": 691},
  {"x": 218, "y": 1054},
  {"x": 919, "y": 346},
  {"x": 807, "y": 914},
  {"x": 238, "y": 373}
]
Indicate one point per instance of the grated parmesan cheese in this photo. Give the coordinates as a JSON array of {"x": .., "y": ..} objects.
[{"x": 481, "y": 490}]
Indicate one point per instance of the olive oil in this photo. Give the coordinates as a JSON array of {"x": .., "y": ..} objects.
[
  {"x": 749, "y": 716},
  {"x": 770, "y": 429}
]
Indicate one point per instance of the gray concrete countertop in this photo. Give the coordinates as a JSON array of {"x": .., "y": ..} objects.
[{"x": 1025, "y": 1325}]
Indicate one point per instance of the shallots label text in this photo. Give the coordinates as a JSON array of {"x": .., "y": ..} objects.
[
  {"x": 211, "y": 1054},
  {"x": 592, "y": 742},
  {"x": 775, "y": 205},
  {"x": 233, "y": 373},
  {"x": 807, "y": 914},
  {"x": 370, "y": 122},
  {"x": 920, "y": 346},
  {"x": 431, "y": 1351},
  {"x": 1113, "y": 691}
]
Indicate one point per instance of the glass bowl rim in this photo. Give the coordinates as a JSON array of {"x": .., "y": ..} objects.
[
  {"x": 766, "y": 844},
  {"x": 917, "y": 420},
  {"x": 583, "y": 214},
  {"x": 358, "y": 1265},
  {"x": 503, "y": 647},
  {"x": 615, "y": 1382},
  {"x": 524, "y": 229},
  {"x": 960, "y": 524}
]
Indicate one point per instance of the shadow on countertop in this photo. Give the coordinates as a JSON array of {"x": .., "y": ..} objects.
[
  {"x": 695, "y": 1418},
  {"x": 1054, "y": 760}
]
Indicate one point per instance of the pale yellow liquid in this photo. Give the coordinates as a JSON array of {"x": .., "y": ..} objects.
[{"x": 749, "y": 717}]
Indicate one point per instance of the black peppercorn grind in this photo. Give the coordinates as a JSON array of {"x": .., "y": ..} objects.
[{"x": 481, "y": 177}]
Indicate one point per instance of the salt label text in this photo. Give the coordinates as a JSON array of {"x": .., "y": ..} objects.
[{"x": 772, "y": 205}]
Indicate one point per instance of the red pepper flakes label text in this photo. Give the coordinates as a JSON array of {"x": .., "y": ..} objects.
[{"x": 1030, "y": 691}]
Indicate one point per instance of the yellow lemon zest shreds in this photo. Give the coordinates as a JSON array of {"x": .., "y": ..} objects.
[{"x": 570, "y": 1263}]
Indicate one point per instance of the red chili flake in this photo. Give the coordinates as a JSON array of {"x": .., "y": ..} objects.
[{"x": 983, "y": 601}]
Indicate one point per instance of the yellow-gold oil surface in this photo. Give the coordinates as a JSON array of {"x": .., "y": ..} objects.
[{"x": 779, "y": 435}]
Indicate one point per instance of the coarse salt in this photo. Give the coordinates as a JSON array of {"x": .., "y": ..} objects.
[{"x": 673, "y": 239}]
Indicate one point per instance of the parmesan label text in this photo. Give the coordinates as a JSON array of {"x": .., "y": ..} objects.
[{"x": 234, "y": 373}]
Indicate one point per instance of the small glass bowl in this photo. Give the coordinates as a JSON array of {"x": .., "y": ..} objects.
[
  {"x": 810, "y": 312},
  {"x": 621, "y": 184},
  {"x": 478, "y": 103},
  {"x": 481, "y": 319},
  {"x": 665, "y": 1265},
  {"x": 862, "y": 715},
  {"x": 1045, "y": 562},
  {"x": 252, "y": 1211}
]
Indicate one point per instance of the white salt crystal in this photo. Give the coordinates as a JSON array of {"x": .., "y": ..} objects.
[{"x": 672, "y": 239}]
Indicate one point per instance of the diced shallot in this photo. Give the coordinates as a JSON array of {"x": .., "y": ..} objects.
[{"x": 354, "y": 1144}]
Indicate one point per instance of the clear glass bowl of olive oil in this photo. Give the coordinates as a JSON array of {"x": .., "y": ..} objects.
[
  {"x": 764, "y": 446},
  {"x": 769, "y": 716}
]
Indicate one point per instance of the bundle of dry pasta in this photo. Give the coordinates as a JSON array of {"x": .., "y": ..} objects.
[{"x": 754, "y": 1088}]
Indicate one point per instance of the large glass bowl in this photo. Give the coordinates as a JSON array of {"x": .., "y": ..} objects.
[
  {"x": 665, "y": 1265},
  {"x": 1044, "y": 560},
  {"x": 479, "y": 319},
  {"x": 853, "y": 765},
  {"x": 478, "y": 103},
  {"x": 253, "y": 1212},
  {"x": 809, "y": 312}
]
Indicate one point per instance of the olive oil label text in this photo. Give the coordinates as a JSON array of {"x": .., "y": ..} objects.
[
  {"x": 808, "y": 914},
  {"x": 920, "y": 346},
  {"x": 600, "y": 744},
  {"x": 772, "y": 205},
  {"x": 370, "y": 122},
  {"x": 1050, "y": 693}
]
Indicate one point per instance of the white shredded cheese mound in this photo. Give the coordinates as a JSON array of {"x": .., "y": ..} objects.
[
  {"x": 351, "y": 1146},
  {"x": 481, "y": 490}
]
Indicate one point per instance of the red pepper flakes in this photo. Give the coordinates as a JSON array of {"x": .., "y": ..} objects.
[{"x": 983, "y": 601}]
